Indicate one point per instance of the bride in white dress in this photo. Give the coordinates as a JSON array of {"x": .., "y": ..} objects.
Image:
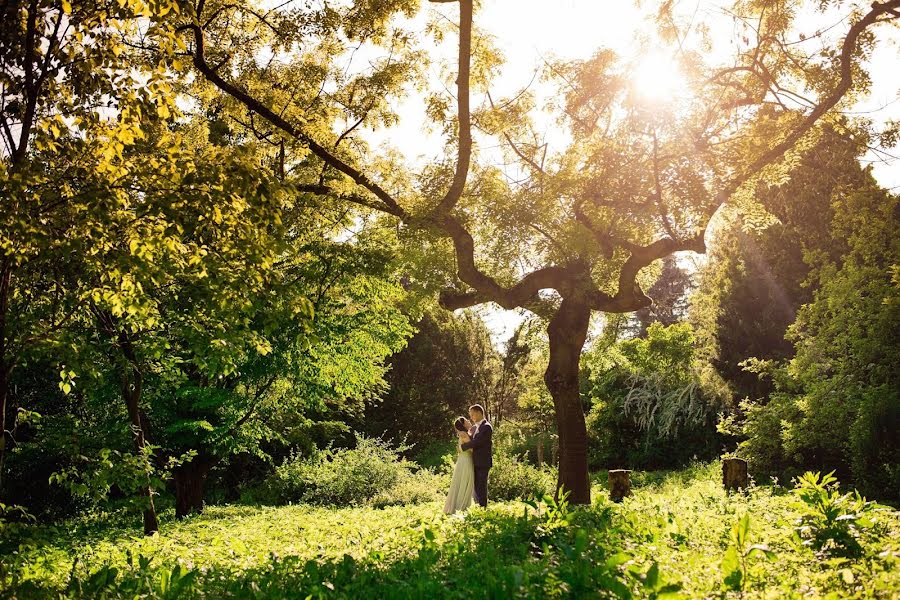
[{"x": 461, "y": 487}]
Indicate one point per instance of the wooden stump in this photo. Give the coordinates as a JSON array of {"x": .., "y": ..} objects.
[
  {"x": 619, "y": 484},
  {"x": 734, "y": 473}
]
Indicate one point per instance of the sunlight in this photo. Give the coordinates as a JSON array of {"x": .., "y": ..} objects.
[{"x": 657, "y": 77}]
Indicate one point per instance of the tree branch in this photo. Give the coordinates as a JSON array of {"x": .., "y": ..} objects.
[{"x": 464, "y": 150}]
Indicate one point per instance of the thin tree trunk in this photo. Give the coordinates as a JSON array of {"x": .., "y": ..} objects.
[
  {"x": 4, "y": 386},
  {"x": 132, "y": 387},
  {"x": 190, "y": 485},
  {"x": 5, "y": 365},
  {"x": 567, "y": 332},
  {"x": 540, "y": 449}
]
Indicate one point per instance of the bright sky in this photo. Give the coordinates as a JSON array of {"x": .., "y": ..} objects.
[{"x": 528, "y": 31}]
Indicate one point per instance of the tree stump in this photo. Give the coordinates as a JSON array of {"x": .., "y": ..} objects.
[
  {"x": 619, "y": 484},
  {"x": 734, "y": 473}
]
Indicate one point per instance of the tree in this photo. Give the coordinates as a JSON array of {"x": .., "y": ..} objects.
[
  {"x": 757, "y": 277},
  {"x": 595, "y": 224},
  {"x": 448, "y": 364},
  {"x": 836, "y": 400},
  {"x": 68, "y": 114}
]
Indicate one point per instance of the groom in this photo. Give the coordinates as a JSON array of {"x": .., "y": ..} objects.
[{"x": 481, "y": 451}]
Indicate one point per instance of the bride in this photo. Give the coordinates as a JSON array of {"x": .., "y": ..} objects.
[{"x": 461, "y": 487}]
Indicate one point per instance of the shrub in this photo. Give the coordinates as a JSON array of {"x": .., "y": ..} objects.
[
  {"x": 653, "y": 403},
  {"x": 512, "y": 478},
  {"x": 347, "y": 476},
  {"x": 831, "y": 523},
  {"x": 414, "y": 487}
]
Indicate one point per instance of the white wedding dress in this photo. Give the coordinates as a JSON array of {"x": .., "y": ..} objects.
[{"x": 462, "y": 485}]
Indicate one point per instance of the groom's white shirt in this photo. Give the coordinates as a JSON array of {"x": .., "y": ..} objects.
[{"x": 478, "y": 425}]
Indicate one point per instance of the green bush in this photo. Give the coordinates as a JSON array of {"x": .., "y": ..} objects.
[
  {"x": 414, "y": 487},
  {"x": 653, "y": 404},
  {"x": 343, "y": 477},
  {"x": 831, "y": 523},
  {"x": 513, "y": 478}
]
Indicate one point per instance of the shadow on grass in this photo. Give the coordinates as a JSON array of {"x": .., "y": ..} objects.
[{"x": 494, "y": 553}]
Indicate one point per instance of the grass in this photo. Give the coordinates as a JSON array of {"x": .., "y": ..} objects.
[{"x": 679, "y": 535}]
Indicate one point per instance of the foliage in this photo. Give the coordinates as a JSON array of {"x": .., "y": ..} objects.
[
  {"x": 832, "y": 523},
  {"x": 513, "y": 478},
  {"x": 735, "y": 568},
  {"x": 340, "y": 477},
  {"x": 673, "y": 533},
  {"x": 652, "y": 401},
  {"x": 445, "y": 367},
  {"x": 836, "y": 400},
  {"x": 757, "y": 273}
]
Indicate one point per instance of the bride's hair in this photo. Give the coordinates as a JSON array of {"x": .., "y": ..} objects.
[{"x": 460, "y": 424}]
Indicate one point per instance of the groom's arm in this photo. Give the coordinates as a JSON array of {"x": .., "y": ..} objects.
[{"x": 481, "y": 439}]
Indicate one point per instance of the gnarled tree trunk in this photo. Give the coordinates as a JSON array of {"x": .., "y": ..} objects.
[
  {"x": 567, "y": 332},
  {"x": 190, "y": 485}
]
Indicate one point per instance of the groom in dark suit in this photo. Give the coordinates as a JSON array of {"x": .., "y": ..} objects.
[{"x": 481, "y": 451}]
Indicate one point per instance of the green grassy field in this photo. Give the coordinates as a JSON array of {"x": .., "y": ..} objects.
[{"x": 679, "y": 535}]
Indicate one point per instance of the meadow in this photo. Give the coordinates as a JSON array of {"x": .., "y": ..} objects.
[{"x": 679, "y": 535}]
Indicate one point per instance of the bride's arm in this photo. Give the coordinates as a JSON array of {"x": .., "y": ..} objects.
[{"x": 462, "y": 438}]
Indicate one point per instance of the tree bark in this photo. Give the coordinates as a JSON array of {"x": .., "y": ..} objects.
[
  {"x": 5, "y": 366},
  {"x": 132, "y": 387},
  {"x": 190, "y": 485},
  {"x": 567, "y": 332},
  {"x": 734, "y": 474}
]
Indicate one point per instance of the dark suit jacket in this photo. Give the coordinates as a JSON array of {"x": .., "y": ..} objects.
[{"x": 481, "y": 446}]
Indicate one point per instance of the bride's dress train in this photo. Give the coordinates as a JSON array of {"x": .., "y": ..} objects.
[{"x": 462, "y": 485}]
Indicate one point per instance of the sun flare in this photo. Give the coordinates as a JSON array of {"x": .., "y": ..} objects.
[{"x": 657, "y": 77}]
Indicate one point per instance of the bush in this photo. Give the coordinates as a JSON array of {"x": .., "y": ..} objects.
[
  {"x": 831, "y": 523},
  {"x": 653, "y": 402},
  {"x": 414, "y": 487},
  {"x": 512, "y": 478},
  {"x": 340, "y": 477}
]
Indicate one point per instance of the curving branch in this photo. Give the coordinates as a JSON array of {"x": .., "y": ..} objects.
[
  {"x": 571, "y": 281},
  {"x": 464, "y": 150},
  {"x": 879, "y": 9},
  {"x": 629, "y": 296},
  {"x": 388, "y": 204}
]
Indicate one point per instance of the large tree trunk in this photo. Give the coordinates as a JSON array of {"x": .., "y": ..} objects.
[
  {"x": 567, "y": 332},
  {"x": 190, "y": 485}
]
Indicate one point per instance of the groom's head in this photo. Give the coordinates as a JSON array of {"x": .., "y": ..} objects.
[{"x": 476, "y": 412}]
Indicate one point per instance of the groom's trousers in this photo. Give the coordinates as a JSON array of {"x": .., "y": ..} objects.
[{"x": 481, "y": 482}]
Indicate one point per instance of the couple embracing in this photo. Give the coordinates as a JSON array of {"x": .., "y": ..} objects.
[{"x": 470, "y": 475}]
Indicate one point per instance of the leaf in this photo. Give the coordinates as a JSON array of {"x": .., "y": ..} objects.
[
  {"x": 652, "y": 578},
  {"x": 617, "y": 559},
  {"x": 761, "y": 549},
  {"x": 731, "y": 569}
]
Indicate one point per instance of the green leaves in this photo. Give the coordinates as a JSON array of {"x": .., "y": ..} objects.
[{"x": 735, "y": 561}]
